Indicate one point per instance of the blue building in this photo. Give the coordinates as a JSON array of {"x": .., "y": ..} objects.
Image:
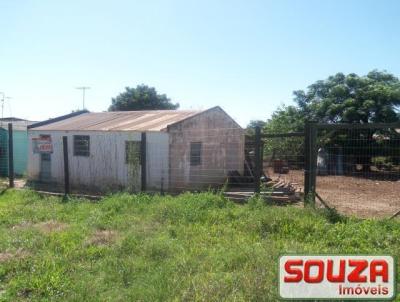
[{"x": 20, "y": 144}]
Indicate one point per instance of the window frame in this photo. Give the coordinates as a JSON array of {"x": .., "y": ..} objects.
[
  {"x": 83, "y": 153},
  {"x": 196, "y": 154}
]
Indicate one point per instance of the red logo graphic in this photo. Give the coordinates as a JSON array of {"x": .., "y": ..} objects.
[{"x": 337, "y": 277}]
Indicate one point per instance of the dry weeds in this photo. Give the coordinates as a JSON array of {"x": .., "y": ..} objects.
[
  {"x": 8, "y": 256},
  {"x": 45, "y": 226},
  {"x": 102, "y": 237}
]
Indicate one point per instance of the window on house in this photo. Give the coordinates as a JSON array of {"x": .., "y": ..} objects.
[
  {"x": 81, "y": 145},
  {"x": 132, "y": 152},
  {"x": 195, "y": 154}
]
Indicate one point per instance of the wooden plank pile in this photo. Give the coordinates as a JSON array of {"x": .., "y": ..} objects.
[
  {"x": 278, "y": 191},
  {"x": 281, "y": 190}
]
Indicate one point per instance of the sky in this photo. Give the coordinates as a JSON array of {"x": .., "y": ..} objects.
[{"x": 245, "y": 56}]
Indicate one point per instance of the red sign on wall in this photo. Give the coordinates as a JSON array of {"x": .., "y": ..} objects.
[{"x": 42, "y": 145}]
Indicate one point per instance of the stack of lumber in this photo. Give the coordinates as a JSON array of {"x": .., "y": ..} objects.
[
  {"x": 277, "y": 191},
  {"x": 281, "y": 185},
  {"x": 281, "y": 190}
]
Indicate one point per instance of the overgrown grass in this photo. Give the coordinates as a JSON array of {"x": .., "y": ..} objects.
[{"x": 152, "y": 248}]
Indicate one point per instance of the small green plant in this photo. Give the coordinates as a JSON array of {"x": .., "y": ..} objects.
[
  {"x": 333, "y": 216},
  {"x": 383, "y": 162},
  {"x": 224, "y": 188}
]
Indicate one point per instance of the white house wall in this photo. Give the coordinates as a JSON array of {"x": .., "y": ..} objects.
[{"x": 105, "y": 169}]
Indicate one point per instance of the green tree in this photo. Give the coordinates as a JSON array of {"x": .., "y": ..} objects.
[
  {"x": 250, "y": 129},
  {"x": 142, "y": 97},
  {"x": 374, "y": 98},
  {"x": 285, "y": 119}
]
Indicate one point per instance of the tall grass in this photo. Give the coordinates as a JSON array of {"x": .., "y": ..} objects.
[{"x": 193, "y": 247}]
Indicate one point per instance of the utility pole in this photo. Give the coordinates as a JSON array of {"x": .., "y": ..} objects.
[
  {"x": 9, "y": 104},
  {"x": 2, "y": 107},
  {"x": 83, "y": 88}
]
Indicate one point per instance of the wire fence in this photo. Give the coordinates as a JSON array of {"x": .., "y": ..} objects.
[
  {"x": 358, "y": 169},
  {"x": 160, "y": 162},
  {"x": 13, "y": 155},
  {"x": 284, "y": 159},
  {"x": 218, "y": 159},
  {"x": 352, "y": 168},
  {"x": 4, "y": 153}
]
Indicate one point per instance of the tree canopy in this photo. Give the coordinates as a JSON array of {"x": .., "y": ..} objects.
[
  {"x": 285, "y": 119},
  {"x": 142, "y": 97},
  {"x": 250, "y": 129},
  {"x": 374, "y": 98}
]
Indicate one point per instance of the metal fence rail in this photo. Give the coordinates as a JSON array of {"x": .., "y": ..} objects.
[
  {"x": 354, "y": 168},
  {"x": 284, "y": 156},
  {"x": 194, "y": 160},
  {"x": 148, "y": 162}
]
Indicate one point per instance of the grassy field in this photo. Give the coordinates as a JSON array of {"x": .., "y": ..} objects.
[{"x": 152, "y": 248}]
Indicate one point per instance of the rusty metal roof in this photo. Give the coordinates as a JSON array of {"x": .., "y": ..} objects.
[{"x": 152, "y": 120}]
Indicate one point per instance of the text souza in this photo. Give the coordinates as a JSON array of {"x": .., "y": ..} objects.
[{"x": 351, "y": 270}]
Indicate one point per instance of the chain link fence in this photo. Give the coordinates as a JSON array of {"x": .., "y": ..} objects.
[
  {"x": 352, "y": 168},
  {"x": 217, "y": 159},
  {"x": 358, "y": 168},
  {"x": 13, "y": 155},
  {"x": 153, "y": 162},
  {"x": 284, "y": 157}
]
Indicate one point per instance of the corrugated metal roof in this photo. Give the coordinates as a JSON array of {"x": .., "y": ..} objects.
[{"x": 153, "y": 120}]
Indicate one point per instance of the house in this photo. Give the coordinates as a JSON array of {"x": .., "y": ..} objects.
[
  {"x": 184, "y": 150},
  {"x": 20, "y": 145}
]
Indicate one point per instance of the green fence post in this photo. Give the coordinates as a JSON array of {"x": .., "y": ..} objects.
[
  {"x": 143, "y": 161},
  {"x": 258, "y": 161},
  {"x": 310, "y": 171},
  {"x": 313, "y": 162},
  {"x": 66, "y": 165},
  {"x": 10, "y": 156}
]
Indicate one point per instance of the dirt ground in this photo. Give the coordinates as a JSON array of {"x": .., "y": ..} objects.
[{"x": 353, "y": 196}]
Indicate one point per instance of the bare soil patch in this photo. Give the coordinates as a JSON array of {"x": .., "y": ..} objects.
[
  {"x": 22, "y": 225},
  {"x": 102, "y": 237},
  {"x": 359, "y": 196},
  {"x": 51, "y": 226},
  {"x": 354, "y": 196},
  {"x": 8, "y": 256},
  {"x": 45, "y": 226}
]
